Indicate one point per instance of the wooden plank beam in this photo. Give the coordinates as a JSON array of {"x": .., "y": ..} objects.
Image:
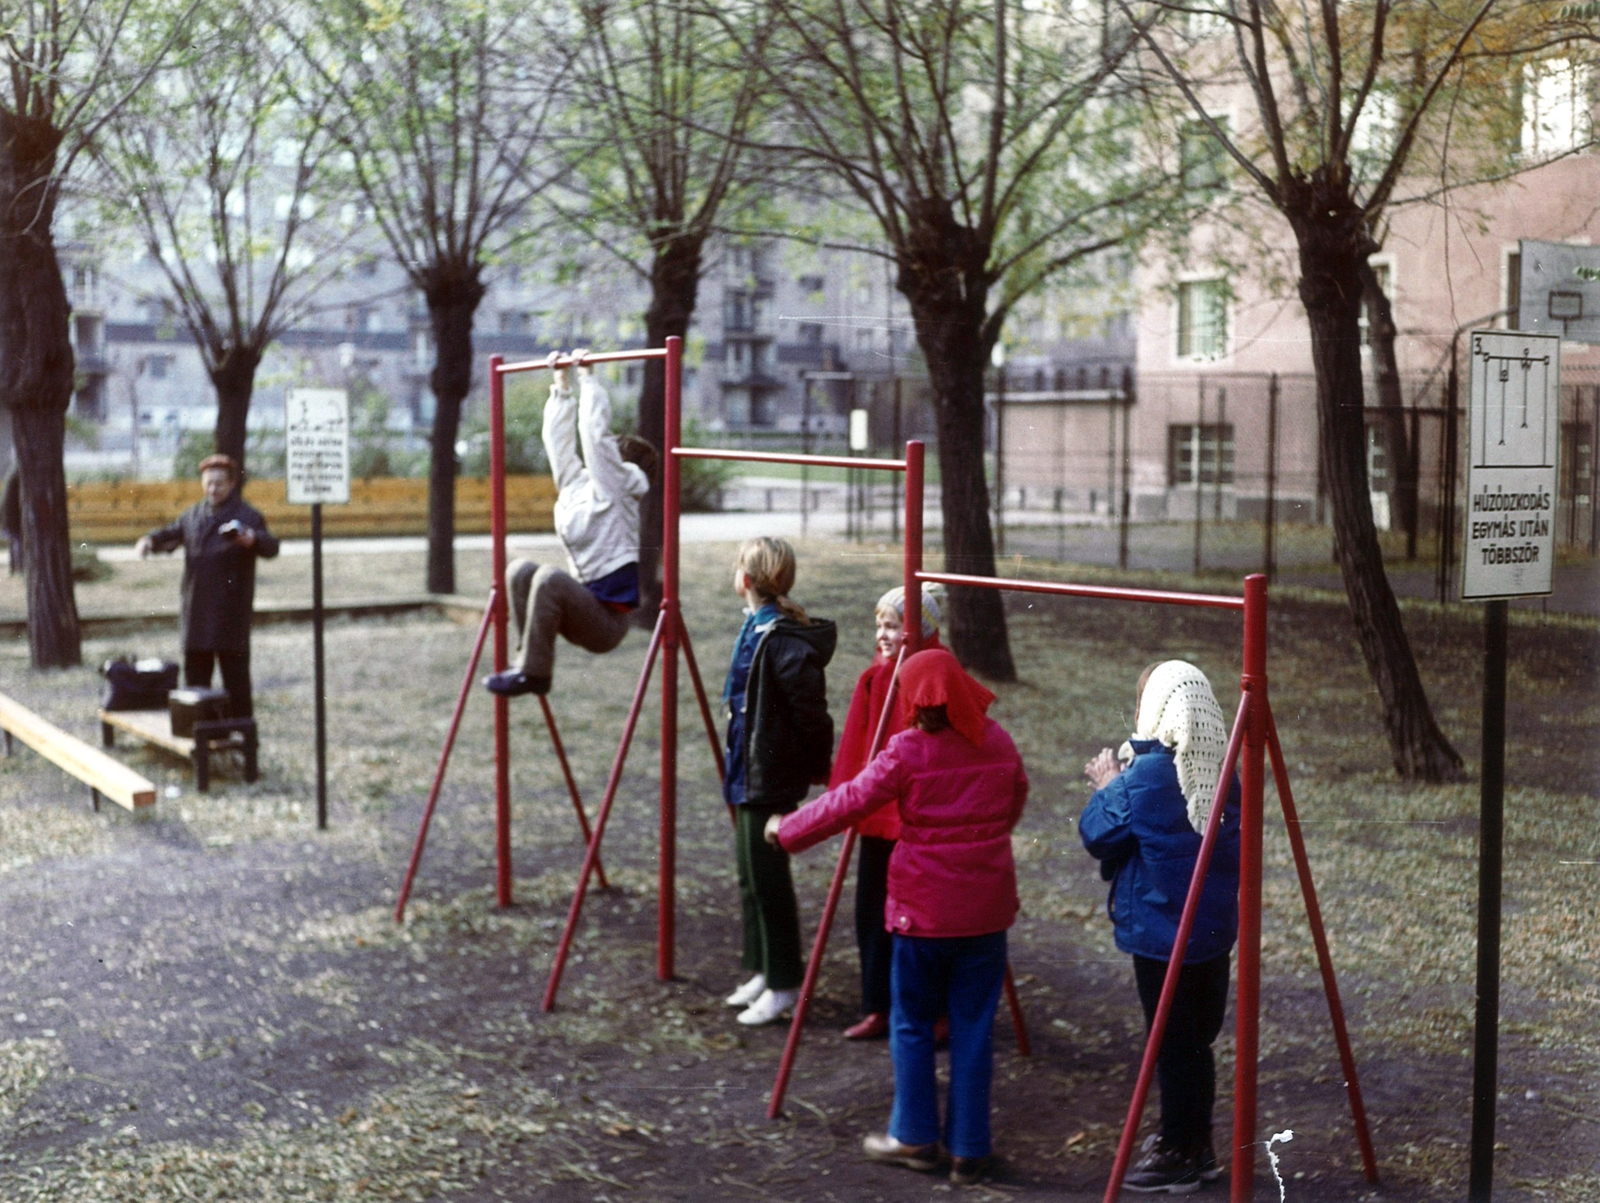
[{"x": 104, "y": 774}]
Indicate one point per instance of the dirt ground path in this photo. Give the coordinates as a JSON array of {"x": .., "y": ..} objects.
[{"x": 212, "y": 1002}]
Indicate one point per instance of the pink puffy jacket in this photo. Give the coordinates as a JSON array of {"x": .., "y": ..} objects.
[{"x": 951, "y": 873}]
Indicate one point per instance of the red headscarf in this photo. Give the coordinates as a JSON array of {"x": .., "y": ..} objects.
[{"x": 935, "y": 678}]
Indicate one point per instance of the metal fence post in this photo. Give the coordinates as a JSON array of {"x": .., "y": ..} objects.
[
  {"x": 1127, "y": 468},
  {"x": 1269, "y": 513},
  {"x": 1199, "y": 475}
]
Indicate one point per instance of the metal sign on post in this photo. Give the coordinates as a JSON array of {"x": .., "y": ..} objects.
[
  {"x": 1513, "y": 434},
  {"x": 1514, "y": 429},
  {"x": 317, "y": 464},
  {"x": 1558, "y": 290}
]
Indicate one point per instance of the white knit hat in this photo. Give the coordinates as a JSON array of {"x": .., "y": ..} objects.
[
  {"x": 1178, "y": 709},
  {"x": 932, "y": 611}
]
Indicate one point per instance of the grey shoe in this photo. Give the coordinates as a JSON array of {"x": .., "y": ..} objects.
[{"x": 885, "y": 1148}]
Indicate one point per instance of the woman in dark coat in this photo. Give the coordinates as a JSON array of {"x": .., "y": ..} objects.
[{"x": 221, "y": 538}]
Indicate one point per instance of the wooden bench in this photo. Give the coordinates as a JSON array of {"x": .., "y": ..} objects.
[
  {"x": 217, "y": 735},
  {"x": 104, "y": 775}
]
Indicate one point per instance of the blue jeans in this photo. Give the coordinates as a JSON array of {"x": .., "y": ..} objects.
[{"x": 932, "y": 976}]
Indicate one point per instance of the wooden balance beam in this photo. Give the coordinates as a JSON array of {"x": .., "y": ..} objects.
[{"x": 104, "y": 775}]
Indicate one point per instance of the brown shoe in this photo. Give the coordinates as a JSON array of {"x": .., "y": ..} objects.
[
  {"x": 873, "y": 1027},
  {"x": 941, "y": 1032},
  {"x": 890, "y": 1151},
  {"x": 965, "y": 1171}
]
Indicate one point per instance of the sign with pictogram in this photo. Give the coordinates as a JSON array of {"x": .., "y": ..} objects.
[{"x": 1513, "y": 432}]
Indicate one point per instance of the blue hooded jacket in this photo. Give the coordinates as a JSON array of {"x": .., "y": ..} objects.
[{"x": 1138, "y": 828}]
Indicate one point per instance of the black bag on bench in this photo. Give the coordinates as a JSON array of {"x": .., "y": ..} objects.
[
  {"x": 138, "y": 684},
  {"x": 194, "y": 705}
]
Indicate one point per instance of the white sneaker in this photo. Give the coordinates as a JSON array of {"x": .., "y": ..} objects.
[
  {"x": 747, "y": 993},
  {"x": 773, "y": 1004}
]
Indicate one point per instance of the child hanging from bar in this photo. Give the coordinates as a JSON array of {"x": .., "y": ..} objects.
[
  {"x": 780, "y": 743},
  {"x": 597, "y": 520},
  {"x": 880, "y": 830},
  {"x": 960, "y": 787},
  {"x": 1144, "y": 824}
]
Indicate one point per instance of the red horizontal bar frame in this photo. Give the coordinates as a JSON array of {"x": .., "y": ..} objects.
[
  {"x": 566, "y": 361},
  {"x": 1158, "y": 596},
  {"x": 778, "y": 457}
]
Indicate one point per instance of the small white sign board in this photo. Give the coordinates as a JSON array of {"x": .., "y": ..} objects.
[
  {"x": 317, "y": 446},
  {"x": 1513, "y": 432},
  {"x": 859, "y": 436}
]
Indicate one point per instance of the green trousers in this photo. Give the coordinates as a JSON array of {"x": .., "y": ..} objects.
[{"x": 766, "y": 894}]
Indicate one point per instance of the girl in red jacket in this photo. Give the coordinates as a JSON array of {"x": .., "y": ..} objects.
[
  {"x": 880, "y": 830},
  {"x": 960, "y": 787}
]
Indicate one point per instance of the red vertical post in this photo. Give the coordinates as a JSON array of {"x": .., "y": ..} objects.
[
  {"x": 502, "y": 710},
  {"x": 666, "y": 891},
  {"x": 1252, "y": 776},
  {"x": 913, "y": 549}
]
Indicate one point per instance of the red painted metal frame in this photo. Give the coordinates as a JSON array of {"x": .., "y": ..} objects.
[
  {"x": 1253, "y": 735},
  {"x": 1319, "y": 936},
  {"x": 781, "y": 457},
  {"x": 444, "y": 759},
  {"x": 572, "y": 785}
]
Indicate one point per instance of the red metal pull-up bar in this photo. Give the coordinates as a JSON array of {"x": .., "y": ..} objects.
[
  {"x": 778, "y": 457},
  {"x": 1107, "y": 592},
  {"x": 567, "y": 361}
]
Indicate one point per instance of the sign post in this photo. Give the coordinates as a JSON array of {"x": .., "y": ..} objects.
[
  {"x": 1513, "y": 429},
  {"x": 317, "y": 464}
]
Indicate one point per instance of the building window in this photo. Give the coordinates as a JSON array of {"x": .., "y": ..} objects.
[
  {"x": 1215, "y": 447},
  {"x": 157, "y": 366},
  {"x": 1556, "y": 95},
  {"x": 1202, "y": 320},
  {"x": 738, "y": 311},
  {"x": 515, "y": 321},
  {"x": 1385, "y": 274},
  {"x": 811, "y": 334},
  {"x": 1200, "y": 156},
  {"x": 810, "y": 284}
]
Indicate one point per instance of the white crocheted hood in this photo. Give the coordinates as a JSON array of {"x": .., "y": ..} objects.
[{"x": 1179, "y": 709}]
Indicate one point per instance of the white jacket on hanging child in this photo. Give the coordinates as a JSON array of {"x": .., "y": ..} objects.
[{"x": 597, "y": 508}]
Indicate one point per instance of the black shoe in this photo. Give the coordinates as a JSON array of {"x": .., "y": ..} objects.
[
  {"x": 1165, "y": 1169},
  {"x": 514, "y": 682},
  {"x": 1210, "y": 1167},
  {"x": 967, "y": 1171}
]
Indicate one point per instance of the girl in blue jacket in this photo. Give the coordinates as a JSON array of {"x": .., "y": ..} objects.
[{"x": 1151, "y": 803}]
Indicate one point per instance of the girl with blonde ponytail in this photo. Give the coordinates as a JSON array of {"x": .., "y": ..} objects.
[{"x": 780, "y": 743}]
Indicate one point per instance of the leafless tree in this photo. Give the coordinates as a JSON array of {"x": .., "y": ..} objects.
[
  {"x": 222, "y": 166},
  {"x": 70, "y": 66},
  {"x": 443, "y": 109},
  {"x": 1347, "y": 124},
  {"x": 663, "y": 100},
  {"x": 995, "y": 145}
]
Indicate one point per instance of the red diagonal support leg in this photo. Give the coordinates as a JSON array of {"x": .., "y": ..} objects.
[
  {"x": 572, "y": 786},
  {"x": 700, "y": 696},
  {"x": 1319, "y": 937},
  {"x": 813, "y": 968},
  {"x": 1191, "y": 905},
  {"x": 444, "y": 760},
  {"x": 1019, "y": 1025},
  {"x": 592, "y": 857}
]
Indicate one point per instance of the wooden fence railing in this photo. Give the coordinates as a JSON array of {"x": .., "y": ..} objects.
[{"x": 121, "y": 511}]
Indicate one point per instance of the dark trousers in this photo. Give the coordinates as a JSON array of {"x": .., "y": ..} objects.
[
  {"x": 197, "y": 665},
  {"x": 1184, "y": 1067},
  {"x": 766, "y": 895},
  {"x": 874, "y": 943},
  {"x": 959, "y": 976}
]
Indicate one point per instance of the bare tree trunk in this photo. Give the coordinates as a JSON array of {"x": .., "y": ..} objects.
[
  {"x": 674, "y": 289},
  {"x": 1391, "y": 404},
  {"x": 453, "y": 291},
  {"x": 1333, "y": 248},
  {"x": 942, "y": 276},
  {"x": 234, "y": 378},
  {"x": 36, "y": 369}
]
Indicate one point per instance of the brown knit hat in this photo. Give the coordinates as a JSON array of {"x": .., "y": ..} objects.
[{"x": 225, "y": 462}]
